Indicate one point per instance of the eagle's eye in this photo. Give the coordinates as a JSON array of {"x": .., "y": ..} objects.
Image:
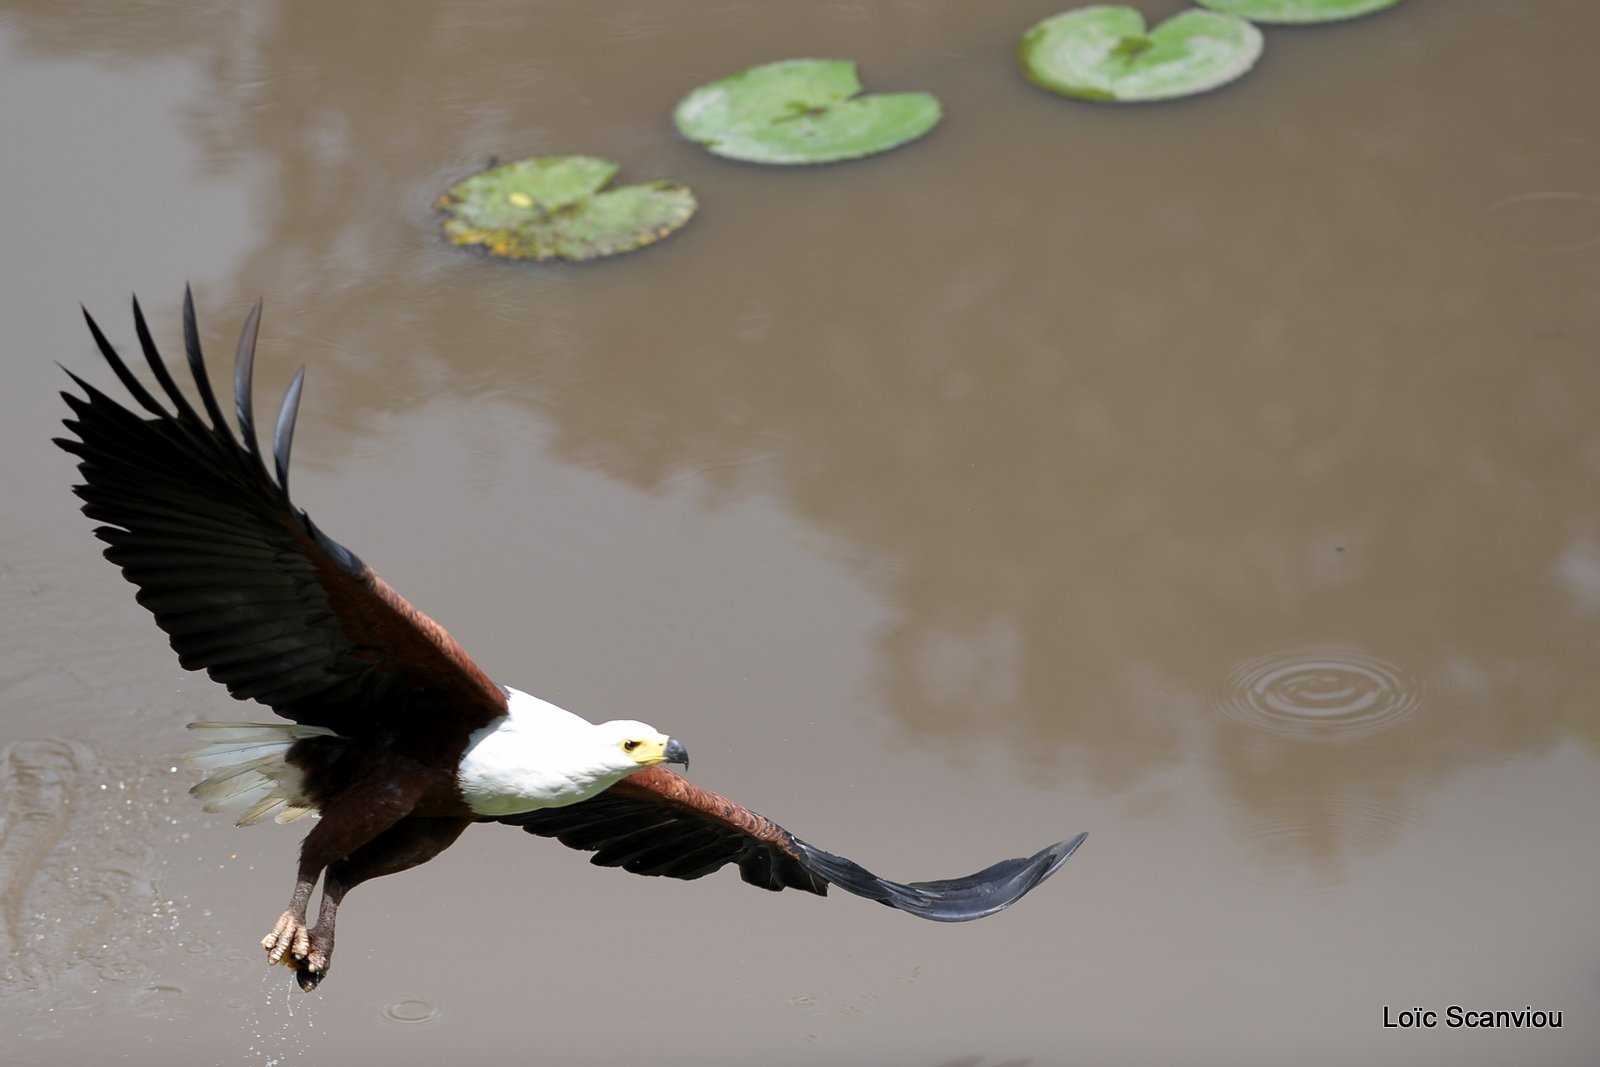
[{"x": 629, "y": 746}]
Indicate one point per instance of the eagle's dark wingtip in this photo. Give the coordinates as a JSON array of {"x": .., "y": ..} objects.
[
  {"x": 950, "y": 900},
  {"x": 283, "y": 433},
  {"x": 1052, "y": 858},
  {"x": 197, "y": 365},
  {"x": 244, "y": 363},
  {"x": 140, "y": 394}
]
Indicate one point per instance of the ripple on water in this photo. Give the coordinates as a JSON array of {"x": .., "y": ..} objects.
[
  {"x": 1307, "y": 848},
  {"x": 81, "y": 914},
  {"x": 39, "y": 782},
  {"x": 1320, "y": 693},
  {"x": 1541, "y": 223},
  {"x": 411, "y": 1011}
]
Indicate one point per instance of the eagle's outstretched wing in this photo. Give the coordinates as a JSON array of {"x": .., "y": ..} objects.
[
  {"x": 243, "y": 582},
  {"x": 656, "y": 822}
]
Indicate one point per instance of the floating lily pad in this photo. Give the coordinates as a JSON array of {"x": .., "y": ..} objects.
[
  {"x": 1297, "y": 11},
  {"x": 1105, "y": 53},
  {"x": 552, "y": 207},
  {"x": 801, "y": 111}
]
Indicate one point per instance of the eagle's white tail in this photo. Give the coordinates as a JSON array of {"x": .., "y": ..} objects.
[{"x": 247, "y": 767}]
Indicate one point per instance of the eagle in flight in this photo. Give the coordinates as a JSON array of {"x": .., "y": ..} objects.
[{"x": 393, "y": 735}]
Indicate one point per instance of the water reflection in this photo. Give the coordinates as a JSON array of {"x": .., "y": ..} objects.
[
  {"x": 1088, "y": 451},
  {"x": 80, "y": 841},
  {"x": 37, "y": 780}
]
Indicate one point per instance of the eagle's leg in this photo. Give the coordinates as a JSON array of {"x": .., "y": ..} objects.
[
  {"x": 355, "y": 818},
  {"x": 412, "y": 840},
  {"x": 288, "y": 935}
]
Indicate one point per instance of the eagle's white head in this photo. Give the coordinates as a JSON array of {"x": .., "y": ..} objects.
[
  {"x": 541, "y": 756},
  {"x": 629, "y": 744}
]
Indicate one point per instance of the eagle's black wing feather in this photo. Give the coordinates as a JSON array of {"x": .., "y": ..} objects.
[
  {"x": 246, "y": 586},
  {"x": 657, "y": 823}
]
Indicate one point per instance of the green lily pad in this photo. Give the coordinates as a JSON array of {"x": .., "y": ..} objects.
[
  {"x": 552, "y": 207},
  {"x": 1297, "y": 11},
  {"x": 1105, "y": 53},
  {"x": 801, "y": 111}
]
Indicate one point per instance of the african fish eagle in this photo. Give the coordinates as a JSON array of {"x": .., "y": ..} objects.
[{"x": 396, "y": 738}]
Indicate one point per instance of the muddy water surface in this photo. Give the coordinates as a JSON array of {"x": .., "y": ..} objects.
[{"x": 1221, "y": 478}]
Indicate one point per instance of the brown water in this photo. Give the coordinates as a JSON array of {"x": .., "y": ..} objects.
[{"x": 1221, "y": 478}]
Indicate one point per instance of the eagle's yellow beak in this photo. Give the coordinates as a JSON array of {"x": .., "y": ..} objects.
[{"x": 648, "y": 751}]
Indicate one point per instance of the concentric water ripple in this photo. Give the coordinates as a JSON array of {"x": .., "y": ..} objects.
[
  {"x": 1322, "y": 693},
  {"x": 1542, "y": 223},
  {"x": 411, "y": 1011},
  {"x": 1311, "y": 849}
]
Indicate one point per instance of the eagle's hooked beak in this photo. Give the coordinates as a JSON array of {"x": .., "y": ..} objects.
[{"x": 649, "y": 751}]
